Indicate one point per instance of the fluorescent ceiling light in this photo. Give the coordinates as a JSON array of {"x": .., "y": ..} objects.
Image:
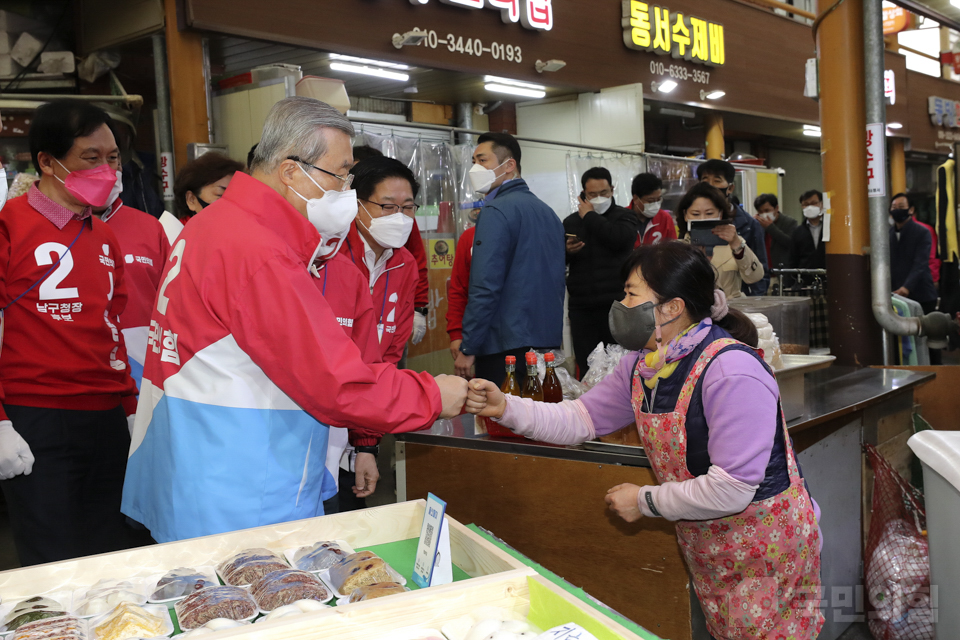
[
  {"x": 813, "y": 133},
  {"x": 811, "y": 127},
  {"x": 514, "y": 83},
  {"x": 515, "y": 90},
  {"x": 666, "y": 86},
  {"x": 715, "y": 94},
  {"x": 389, "y": 65},
  {"x": 895, "y": 125},
  {"x": 369, "y": 71}
]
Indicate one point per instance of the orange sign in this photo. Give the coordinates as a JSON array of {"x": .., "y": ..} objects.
[{"x": 895, "y": 20}]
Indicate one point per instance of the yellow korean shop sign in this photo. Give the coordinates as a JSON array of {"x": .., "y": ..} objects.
[{"x": 648, "y": 27}]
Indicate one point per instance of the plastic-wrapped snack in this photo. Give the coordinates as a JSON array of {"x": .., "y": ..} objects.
[
  {"x": 285, "y": 586},
  {"x": 250, "y": 565},
  {"x": 32, "y": 609},
  {"x": 205, "y": 605},
  {"x": 217, "y": 624},
  {"x": 181, "y": 582},
  {"x": 319, "y": 556},
  {"x": 104, "y": 600},
  {"x": 376, "y": 590},
  {"x": 129, "y": 621},
  {"x": 358, "y": 570},
  {"x": 59, "y": 628},
  {"x": 295, "y": 609}
]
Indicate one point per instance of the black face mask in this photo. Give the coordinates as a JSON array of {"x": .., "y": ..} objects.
[
  {"x": 203, "y": 205},
  {"x": 632, "y": 327},
  {"x": 899, "y": 215}
]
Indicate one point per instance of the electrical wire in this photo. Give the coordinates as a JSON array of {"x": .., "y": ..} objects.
[{"x": 827, "y": 11}]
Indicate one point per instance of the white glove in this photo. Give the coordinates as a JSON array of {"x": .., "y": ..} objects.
[
  {"x": 131, "y": 419},
  {"x": 419, "y": 327},
  {"x": 15, "y": 454}
]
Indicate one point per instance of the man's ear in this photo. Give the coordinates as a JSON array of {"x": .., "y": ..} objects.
[
  {"x": 46, "y": 161},
  {"x": 287, "y": 171}
]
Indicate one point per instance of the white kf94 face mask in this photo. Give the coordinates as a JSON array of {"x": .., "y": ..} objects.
[
  {"x": 331, "y": 216},
  {"x": 390, "y": 231},
  {"x": 601, "y": 205},
  {"x": 481, "y": 178}
]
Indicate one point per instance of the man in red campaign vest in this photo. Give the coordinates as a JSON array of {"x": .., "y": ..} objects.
[
  {"x": 66, "y": 390},
  {"x": 145, "y": 248}
]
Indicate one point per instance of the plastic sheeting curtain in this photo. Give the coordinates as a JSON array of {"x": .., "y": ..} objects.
[
  {"x": 678, "y": 175},
  {"x": 622, "y": 169}
]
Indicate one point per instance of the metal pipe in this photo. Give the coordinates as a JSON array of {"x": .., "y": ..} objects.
[
  {"x": 133, "y": 100},
  {"x": 878, "y": 205},
  {"x": 164, "y": 118},
  {"x": 465, "y": 121},
  {"x": 446, "y": 129}
]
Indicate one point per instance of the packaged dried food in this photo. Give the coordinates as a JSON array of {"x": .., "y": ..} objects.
[
  {"x": 250, "y": 565},
  {"x": 205, "y": 605},
  {"x": 182, "y": 582},
  {"x": 31, "y": 609},
  {"x": 376, "y": 590},
  {"x": 217, "y": 624},
  {"x": 132, "y": 621},
  {"x": 286, "y": 586},
  {"x": 107, "y": 600},
  {"x": 59, "y": 628},
  {"x": 358, "y": 570},
  {"x": 319, "y": 556},
  {"x": 295, "y": 609}
]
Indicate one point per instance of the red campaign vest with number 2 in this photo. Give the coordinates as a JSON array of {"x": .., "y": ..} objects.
[
  {"x": 62, "y": 347},
  {"x": 756, "y": 573}
]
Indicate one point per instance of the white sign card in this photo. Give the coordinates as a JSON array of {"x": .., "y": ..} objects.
[
  {"x": 433, "y": 565},
  {"x": 876, "y": 161},
  {"x": 827, "y": 218},
  {"x": 571, "y": 631}
]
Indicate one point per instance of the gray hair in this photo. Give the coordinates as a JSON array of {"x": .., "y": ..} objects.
[{"x": 294, "y": 128}]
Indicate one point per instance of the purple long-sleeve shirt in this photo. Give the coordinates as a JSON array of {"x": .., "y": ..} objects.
[{"x": 739, "y": 404}]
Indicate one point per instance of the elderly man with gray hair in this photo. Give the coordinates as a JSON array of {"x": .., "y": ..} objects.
[{"x": 247, "y": 366}]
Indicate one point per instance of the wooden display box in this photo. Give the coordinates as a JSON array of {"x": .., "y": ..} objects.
[{"x": 473, "y": 554}]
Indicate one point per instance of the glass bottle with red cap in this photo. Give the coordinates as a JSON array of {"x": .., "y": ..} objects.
[
  {"x": 510, "y": 386},
  {"x": 552, "y": 391},
  {"x": 532, "y": 388}
]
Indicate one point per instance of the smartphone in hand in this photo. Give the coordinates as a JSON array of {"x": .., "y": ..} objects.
[{"x": 701, "y": 232}]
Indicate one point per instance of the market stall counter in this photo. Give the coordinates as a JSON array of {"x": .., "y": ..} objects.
[
  {"x": 106, "y": 597},
  {"x": 547, "y": 501}
]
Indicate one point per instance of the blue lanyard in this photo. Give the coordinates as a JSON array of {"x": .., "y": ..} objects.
[
  {"x": 326, "y": 269},
  {"x": 50, "y": 270}
]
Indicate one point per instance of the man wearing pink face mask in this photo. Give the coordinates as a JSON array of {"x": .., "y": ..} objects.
[
  {"x": 66, "y": 385},
  {"x": 247, "y": 365}
]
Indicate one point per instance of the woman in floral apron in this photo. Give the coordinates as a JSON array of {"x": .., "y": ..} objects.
[{"x": 708, "y": 412}]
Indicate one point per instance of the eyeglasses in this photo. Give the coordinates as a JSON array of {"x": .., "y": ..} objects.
[
  {"x": 390, "y": 209},
  {"x": 345, "y": 182}
]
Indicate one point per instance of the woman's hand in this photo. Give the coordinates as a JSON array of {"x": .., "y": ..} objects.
[
  {"x": 727, "y": 233},
  {"x": 485, "y": 399},
  {"x": 623, "y": 500}
]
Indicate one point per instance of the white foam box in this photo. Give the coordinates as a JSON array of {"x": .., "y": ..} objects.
[
  {"x": 57, "y": 62},
  {"x": 8, "y": 67},
  {"x": 15, "y": 23},
  {"x": 364, "y": 528},
  {"x": 26, "y": 48}
]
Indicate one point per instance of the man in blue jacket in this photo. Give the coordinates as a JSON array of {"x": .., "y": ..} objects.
[
  {"x": 515, "y": 299},
  {"x": 721, "y": 174}
]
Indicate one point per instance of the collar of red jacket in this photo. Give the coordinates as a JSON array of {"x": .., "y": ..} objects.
[
  {"x": 354, "y": 251},
  {"x": 271, "y": 210}
]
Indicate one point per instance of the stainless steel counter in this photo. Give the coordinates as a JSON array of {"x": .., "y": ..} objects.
[{"x": 829, "y": 393}]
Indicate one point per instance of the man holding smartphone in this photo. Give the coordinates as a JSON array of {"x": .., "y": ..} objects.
[{"x": 599, "y": 238}]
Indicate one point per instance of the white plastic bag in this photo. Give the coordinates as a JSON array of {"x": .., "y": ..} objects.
[
  {"x": 601, "y": 362},
  {"x": 898, "y": 584}
]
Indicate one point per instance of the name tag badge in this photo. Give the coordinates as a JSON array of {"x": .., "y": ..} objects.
[
  {"x": 380, "y": 332},
  {"x": 433, "y": 564}
]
